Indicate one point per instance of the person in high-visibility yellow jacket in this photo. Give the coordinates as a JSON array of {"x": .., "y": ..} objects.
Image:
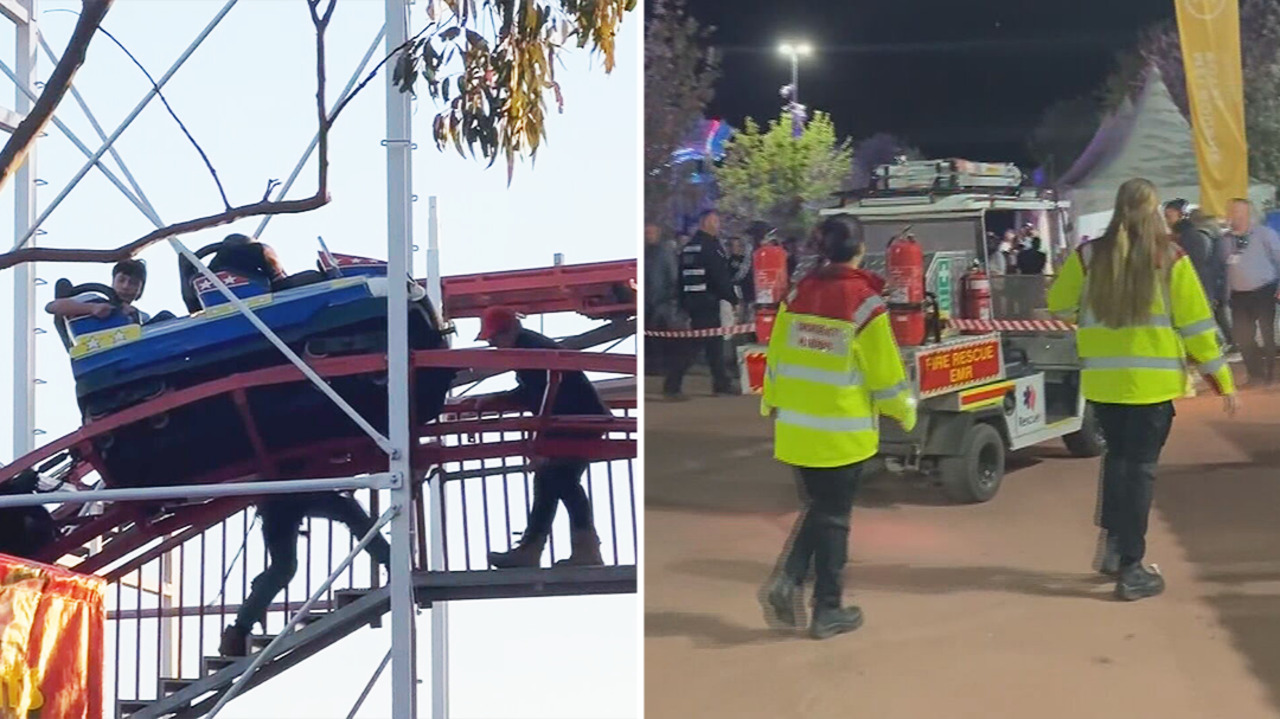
[
  {"x": 833, "y": 367},
  {"x": 1142, "y": 317}
]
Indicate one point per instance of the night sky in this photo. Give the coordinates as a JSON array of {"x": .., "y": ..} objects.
[{"x": 957, "y": 78}]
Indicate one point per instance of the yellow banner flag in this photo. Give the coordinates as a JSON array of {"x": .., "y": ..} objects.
[{"x": 1210, "y": 34}]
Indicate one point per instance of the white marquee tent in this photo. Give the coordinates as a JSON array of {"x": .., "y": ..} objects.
[{"x": 1149, "y": 138}]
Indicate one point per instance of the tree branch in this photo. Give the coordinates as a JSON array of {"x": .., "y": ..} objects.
[
  {"x": 374, "y": 72},
  {"x": 24, "y": 136},
  {"x": 124, "y": 252},
  {"x": 207, "y": 163},
  {"x": 256, "y": 209},
  {"x": 321, "y": 23}
]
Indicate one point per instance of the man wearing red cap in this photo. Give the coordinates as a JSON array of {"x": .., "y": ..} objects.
[{"x": 557, "y": 479}]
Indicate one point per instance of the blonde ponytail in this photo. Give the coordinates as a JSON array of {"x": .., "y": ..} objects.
[{"x": 1125, "y": 263}]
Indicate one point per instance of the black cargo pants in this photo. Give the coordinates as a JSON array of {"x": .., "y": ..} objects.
[
  {"x": 1135, "y": 436},
  {"x": 821, "y": 534}
]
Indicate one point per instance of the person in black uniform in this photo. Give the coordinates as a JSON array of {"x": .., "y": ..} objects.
[
  {"x": 281, "y": 523},
  {"x": 705, "y": 281},
  {"x": 555, "y": 480}
]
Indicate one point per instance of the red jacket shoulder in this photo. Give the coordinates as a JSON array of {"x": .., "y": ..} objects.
[{"x": 840, "y": 294}]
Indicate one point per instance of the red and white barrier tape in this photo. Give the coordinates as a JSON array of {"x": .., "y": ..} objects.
[
  {"x": 1012, "y": 325},
  {"x": 713, "y": 332}
]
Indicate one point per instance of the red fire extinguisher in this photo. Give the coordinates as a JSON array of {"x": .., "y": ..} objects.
[
  {"x": 770, "y": 270},
  {"x": 905, "y": 290},
  {"x": 976, "y": 296}
]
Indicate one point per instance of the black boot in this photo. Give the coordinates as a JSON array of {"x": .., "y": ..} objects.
[
  {"x": 782, "y": 603},
  {"x": 235, "y": 642},
  {"x": 830, "y": 621},
  {"x": 1138, "y": 582}
]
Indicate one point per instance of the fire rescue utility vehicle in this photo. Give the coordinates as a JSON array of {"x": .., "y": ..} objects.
[{"x": 992, "y": 371}]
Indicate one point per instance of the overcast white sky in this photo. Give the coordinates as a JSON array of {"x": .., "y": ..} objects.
[{"x": 248, "y": 97}]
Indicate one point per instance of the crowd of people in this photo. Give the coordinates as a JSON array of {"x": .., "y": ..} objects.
[
  {"x": 1018, "y": 252},
  {"x": 1238, "y": 264},
  {"x": 696, "y": 280}
]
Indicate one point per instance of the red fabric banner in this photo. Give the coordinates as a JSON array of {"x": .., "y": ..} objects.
[{"x": 52, "y": 622}]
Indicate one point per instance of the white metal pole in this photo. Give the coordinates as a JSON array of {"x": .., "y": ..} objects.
[
  {"x": 433, "y": 255},
  {"x": 377, "y": 480},
  {"x": 439, "y": 610},
  {"x": 24, "y": 286},
  {"x": 404, "y": 677}
]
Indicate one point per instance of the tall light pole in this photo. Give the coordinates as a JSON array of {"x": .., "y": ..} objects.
[{"x": 795, "y": 51}]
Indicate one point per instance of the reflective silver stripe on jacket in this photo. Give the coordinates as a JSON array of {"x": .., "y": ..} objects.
[
  {"x": 1213, "y": 365},
  {"x": 866, "y": 309},
  {"x": 1168, "y": 363},
  {"x": 1198, "y": 328},
  {"x": 821, "y": 376},
  {"x": 825, "y": 424},
  {"x": 889, "y": 393}
]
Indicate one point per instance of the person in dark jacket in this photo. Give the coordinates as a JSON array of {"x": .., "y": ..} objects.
[
  {"x": 556, "y": 480},
  {"x": 1201, "y": 245},
  {"x": 1032, "y": 259},
  {"x": 705, "y": 282},
  {"x": 1216, "y": 272},
  {"x": 1198, "y": 245},
  {"x": 281, "y": 523}
]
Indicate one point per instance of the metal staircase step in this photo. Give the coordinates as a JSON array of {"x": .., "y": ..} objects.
[
  {"x": 258, "y": 642},
  {"x": 173, "y": 685},
  {"x": 215, "y": 664},
  {"x": 127, "y": 707},
  {"x": 343, "y": 597},
  {"x": 196, "y": 698}
]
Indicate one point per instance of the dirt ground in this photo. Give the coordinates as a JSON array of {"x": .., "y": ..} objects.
[{"x": 983, "y": 611}]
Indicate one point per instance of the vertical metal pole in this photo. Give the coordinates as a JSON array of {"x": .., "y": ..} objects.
[
  {"x": 433, "y": 255},
  {"x": 435, "y": 562},
  {"x": 795, "y": 77},
  {"x": 170, "y": 596},
  {"x": 404, "y": 678},
  {"x": 439, "y": 610},
  {"x": 24, "y": 286}
]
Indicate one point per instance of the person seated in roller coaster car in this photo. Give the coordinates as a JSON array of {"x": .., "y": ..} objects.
[
  {"x": 281, "y": 524},
  {"x": 555, "y": 479},
  {"x": 128, "y": 279},
  {"x": 242, "y": 255}
]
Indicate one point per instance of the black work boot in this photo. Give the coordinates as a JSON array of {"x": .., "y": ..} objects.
[
  {"x": 781, "y": 602},
  {"x": 1109, "y": 562},
  {"x": 528, "y": 553},
  {"x": 830, "y": 621},
  {"x": 235, "y": 642},
  {"x": 1138, "y": 582}
]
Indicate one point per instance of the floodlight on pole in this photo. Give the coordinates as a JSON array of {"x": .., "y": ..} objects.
[{"x": 795, "y": 51}]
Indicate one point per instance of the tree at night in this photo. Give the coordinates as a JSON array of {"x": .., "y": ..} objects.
[
  {"x": 679, "y": 75},
  {"x": 768, "y": 174}
]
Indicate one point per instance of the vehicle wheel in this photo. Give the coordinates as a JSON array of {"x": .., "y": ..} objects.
[
  {"x": 1088, "y": 442},
  {"x": 975, "y": 475}
]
